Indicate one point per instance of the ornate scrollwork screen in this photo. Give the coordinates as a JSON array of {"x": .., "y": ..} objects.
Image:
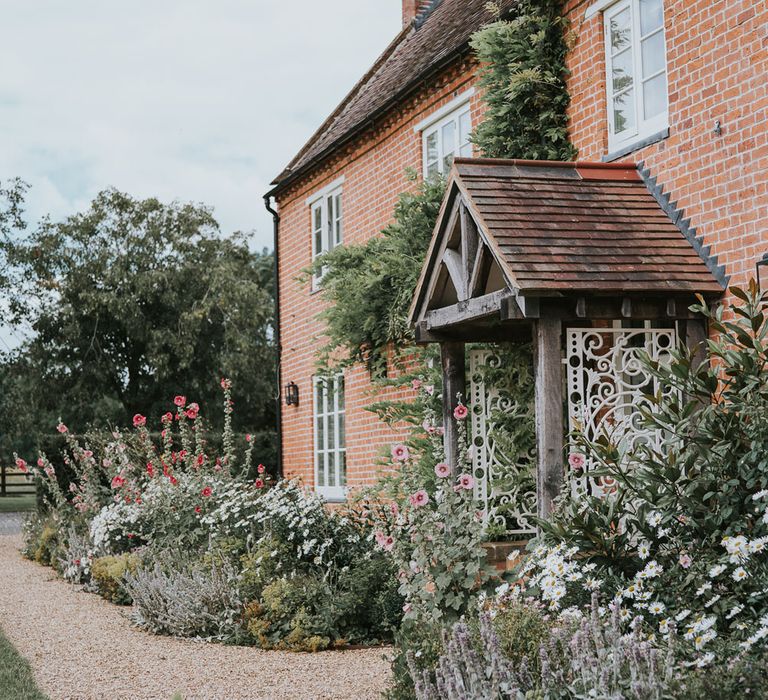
[
  {"x": 607, "y": 386},
  {"x": 503, "y": 464}
]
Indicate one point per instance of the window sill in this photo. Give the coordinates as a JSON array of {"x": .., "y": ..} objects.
[
  {"x": 636, "y": 145},
  {"x": 332, "y": 494}
]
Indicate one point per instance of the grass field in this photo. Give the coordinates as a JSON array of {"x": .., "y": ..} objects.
[
  {"x": 16, "y": 680},
  {"x": 17, "y": 504}
]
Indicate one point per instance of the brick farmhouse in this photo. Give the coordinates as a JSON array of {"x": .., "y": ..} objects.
[{"x": 678, "y": 86}]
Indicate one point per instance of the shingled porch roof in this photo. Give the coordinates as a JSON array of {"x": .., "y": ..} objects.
[{"x": 527, "y": 230}]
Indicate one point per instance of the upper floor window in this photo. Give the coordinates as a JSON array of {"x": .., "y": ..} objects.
[
  {"x": 445, "y": 135},
  {"x": 326, "y": 217},
  {"x": 636, "y": 71}
]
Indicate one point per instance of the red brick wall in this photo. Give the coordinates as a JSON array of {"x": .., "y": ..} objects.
[
  {"x": 717, "y": 62},
  {"x": 374, "y": 170}
]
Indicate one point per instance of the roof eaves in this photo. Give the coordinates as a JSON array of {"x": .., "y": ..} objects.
[{"x": 683, "y": 225}]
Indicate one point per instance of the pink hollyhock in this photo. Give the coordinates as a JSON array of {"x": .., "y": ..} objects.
[
  {"x": 379, "y": 536},
  {"x": 442, "y": 470},
  {"x": 226, "y": 383},
  {"x": 40, "y": 462},
  {"x": 21, "y": 465},
  {"x": 394, "y": 509},
  {"x": 198, "y": 510},
  {"x": 685, "y": 560},
  {"x": 50, "y": 472},
  {"x": 167, "y": 417},
  {"x": 200, "y": 460},
  {"x": 576, "y": 461},
  {"x": 62, "y": 428},
  {"x": 192, "y": 411},
  {"x": 466, "y": 481},
  {"x": 400, "y": 453},
  {"x": 416, "y": 384},
  {"x": 431, "y": 587},
  {"x": 440, "y": 430},
  {"x": 139, "y": 421},
  {"x": 430, "y": 389},
  {"x": 180, "y": 401},
  {"x": 419, "y": 499},
  {"x": 87, "y": 454},
  {"x": 428, "y": 427},
  {"x": 460, "y": 412},
  {"x": 174, "y": 481},
  {"x": 118, "y": 481},
  {"x": 150, "y": 469},
  {"x": 407, "y": 608},
  {"x": 261, "y": 469},
  {"x": 248, "y": 437},
  {"x": 206, "y": 492},
  {"x": 389, "y": 543},
  {"x": 259, "y": 483}
]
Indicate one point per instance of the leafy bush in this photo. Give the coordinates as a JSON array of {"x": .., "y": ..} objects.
[
  {"x": 108, "y": 575},
  {"x": 185, "y": 598},
  {"x": 42, "y": 539}
]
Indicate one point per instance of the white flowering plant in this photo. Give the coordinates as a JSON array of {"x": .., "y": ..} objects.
[{"x": 683, "y": 541}]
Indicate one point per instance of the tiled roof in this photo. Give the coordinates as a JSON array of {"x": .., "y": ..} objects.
[
  {"x": 586, "y": 227},
  {"x": 436, "y": 38}
]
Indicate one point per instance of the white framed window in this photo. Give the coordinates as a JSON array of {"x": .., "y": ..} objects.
[
  {"x": 326, "y": 216},
  {"x": 330, "y": 437},
  {"x": 636, "y": 66},
  {"x": 445, "y": 135}
]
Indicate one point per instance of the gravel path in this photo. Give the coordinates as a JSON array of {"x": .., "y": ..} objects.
[
  {"x": 83, "y": 648},
  {"x": 10, "y": 523}
]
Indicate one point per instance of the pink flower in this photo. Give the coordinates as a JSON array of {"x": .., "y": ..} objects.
[
  {"x": 198, "y": 510},
  {"x": 419, "y": 499},
  {"x": 248, "y": 437},
  {"x": 200, "y": 460},
  {"x": 21, "y": 465},
  {"x": 430, "y": 389},
  {"x": 174, "y": 481},
  {"x": 192, "y": 411},
  {"x": 389, "y": 543},
  {"x": 428, "y": 427},
  {"x": 442, "y": 470},
  {"x": 261, "y": 469},
  {"x": 466, "y": 481},
  {"x": 139, "y": 421},
  {"x": 167, "y": 417},
  {"x": 685, "y": 560},
  {"x": 180, "y": 401},
  {"x": 430, "y": 587},
  {"x": 40, "y": 462},
  {"x": 400, "y": 453},
  {"x": 259, "y": 483},
  {"x": 416, "y": 384},
  {"x": 226, "y": 384},
  {"x": 379, "y": 536},
  {"x": 206, "y": 492},
  {"x": 407, "y": 608},
  {"x": 460, "y": 412},
  {"x": 576, "y": 461},
  {"x": 62, "y": 428},
  {"x": 393, "y": 508},
  {"x": 50, "y": 472},
  {"x": 150, "y": 469},
  {"x": 118, "y": 481},
  {"x": 87, "y": 454}
]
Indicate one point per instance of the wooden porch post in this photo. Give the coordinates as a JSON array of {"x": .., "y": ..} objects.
[
  {"x": 454, "y": 382},
  {"x": 694, "y": 333},
  {"x": 548, "y": 376}
]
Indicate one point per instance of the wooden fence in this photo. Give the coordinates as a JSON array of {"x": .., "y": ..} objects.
[{"x": 13, "y": 482}]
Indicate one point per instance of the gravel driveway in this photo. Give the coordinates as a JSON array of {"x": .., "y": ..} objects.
[
  {"x": 10, "y": 523},
  {"x": 83, "y": 648}
]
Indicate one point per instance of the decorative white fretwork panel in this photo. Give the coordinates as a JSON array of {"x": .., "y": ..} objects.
[
  {"x": 608, "y": 385},
  {"x": 505, "y": 483}
]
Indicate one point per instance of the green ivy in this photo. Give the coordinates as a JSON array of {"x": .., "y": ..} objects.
[{"x": 523, "y": 79}]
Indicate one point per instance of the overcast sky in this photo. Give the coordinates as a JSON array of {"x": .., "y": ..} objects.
[{"x": 196, "y": 100}]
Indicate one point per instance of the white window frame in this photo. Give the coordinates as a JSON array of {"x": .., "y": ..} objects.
[
  {"x": 330, "y": 416},
  {"x": 451, "y": 112},
  {"x": 644, "y": 128},
  {"x": 328, "y": 204}
]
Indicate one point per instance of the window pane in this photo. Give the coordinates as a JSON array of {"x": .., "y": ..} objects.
[
  {"x": 318, "y": 223},
  {"x": 321, "y": 469},
  {"x": 432, "y": 155},
  {"x": 342, "y": 468},
  {"x": 624, "y": 112},
  {"x": 318, "y": 397},
  {"x": 331, "y": 469},
  {"x": 651, "y": 15},
  {"x": 465, "y": 126},
  {"x": 655, "y": 96},
  {"x": 652, "y": 50},
  {"x": 621, "y": 71},
  {"x": 432, "y": 169},
  {"x": 621, "y": 30},
  {"x": 318, "y": 243},
  {"x": 331, "y": 433},
  {"x": 340, "y": 390},
  {"x": 320, "y": 434},
  {"x": 449, "y": 144},
  {"x": 342, "y": 431}
]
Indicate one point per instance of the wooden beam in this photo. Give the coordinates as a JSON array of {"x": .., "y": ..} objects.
[
  {"x": 468, "y": 310},
  {"x": 469, "y": 244},
  {"x": 480, "y": 268},
  {"x": 452, "y": 261},
  {"x": 612, "y": 308},
  {"x": 694, "y": 334},
  {"x": 548, "y": 377},
  {"x": 494, "y": 332},
  {"x": 454, "y": 385}
]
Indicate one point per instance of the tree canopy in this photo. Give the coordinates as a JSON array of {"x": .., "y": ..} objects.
[{"x": 130, "y": 303}]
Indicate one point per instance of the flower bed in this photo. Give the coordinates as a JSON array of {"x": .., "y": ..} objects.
[{"x": 201, "y": 550}]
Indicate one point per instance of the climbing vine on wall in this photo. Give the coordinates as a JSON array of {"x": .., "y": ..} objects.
[{"x": 522, "y": 76}]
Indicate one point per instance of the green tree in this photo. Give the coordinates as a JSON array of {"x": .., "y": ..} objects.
[{"x": 131, "y": 303}]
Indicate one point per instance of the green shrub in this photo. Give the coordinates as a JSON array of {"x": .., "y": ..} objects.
[
  {"x": 42, "y": 541},
  {"x": 107, "y": 574},
  {"x": 423, "y": 641},
  {"x": 522, "y": 629}
]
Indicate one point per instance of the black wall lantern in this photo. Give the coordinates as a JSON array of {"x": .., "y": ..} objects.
[
  {"x": 291, "y": 394},
  {"x": 760, "y": 263}
]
